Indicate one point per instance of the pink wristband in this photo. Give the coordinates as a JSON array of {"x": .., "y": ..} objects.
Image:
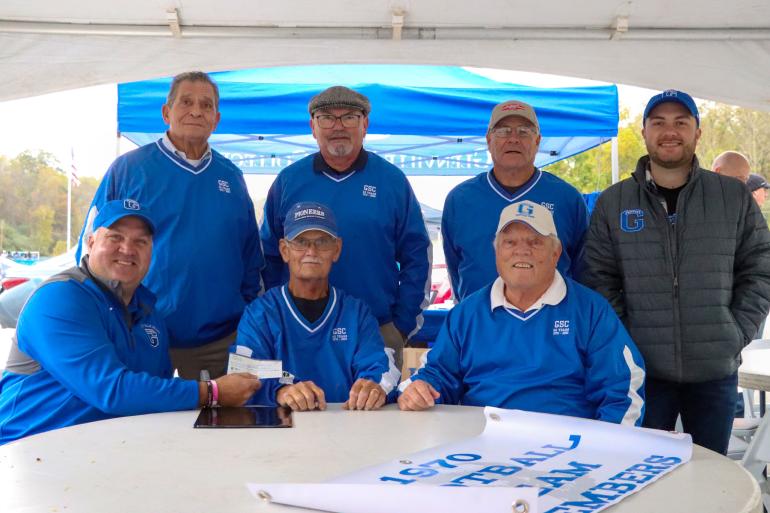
[{"x": 215, "y": 393}]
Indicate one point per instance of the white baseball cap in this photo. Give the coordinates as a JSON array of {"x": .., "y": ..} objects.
[{"x": 534, "y": 215}]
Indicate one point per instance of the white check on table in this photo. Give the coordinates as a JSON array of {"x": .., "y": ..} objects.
[{"x": 264, "y": 369}]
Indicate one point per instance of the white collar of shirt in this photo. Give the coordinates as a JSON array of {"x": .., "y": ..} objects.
[
  {"x": 193, "y": 162},
  {"x": 552, "y": 296}
]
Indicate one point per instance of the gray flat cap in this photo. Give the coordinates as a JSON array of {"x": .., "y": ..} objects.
[{"x": 339, "y": 96}]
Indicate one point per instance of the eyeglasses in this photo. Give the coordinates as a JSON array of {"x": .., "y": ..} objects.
[
  {"x": 522, "y": 132},
  {"x": 347, "y": 120},
  {"x": 320, "y": 244}
]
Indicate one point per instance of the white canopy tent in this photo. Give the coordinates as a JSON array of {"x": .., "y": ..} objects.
[{"x": 711, "y": 48}]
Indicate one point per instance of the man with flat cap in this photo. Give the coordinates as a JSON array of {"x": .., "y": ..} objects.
[
  {"x": 327, "y": 340},
  {"x": 533, "y": 339},
  {"x": 683, "y": 255},
  {"x": 90, "y": 345},
  {"x": 472, "y": 208},
  {"x": 387, "y": 256}
]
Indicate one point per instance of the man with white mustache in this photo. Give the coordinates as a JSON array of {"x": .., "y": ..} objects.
[
  {"x": 328, "y": 342},
  {"x": 533, "y": 339},
  {"x": 387, "y": 255},
  {"x": 683, "y": 255}
]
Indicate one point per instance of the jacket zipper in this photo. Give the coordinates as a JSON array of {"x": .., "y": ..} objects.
[
  {"x": 125, "y": 316},
  {"x": 672, "y": 236}
]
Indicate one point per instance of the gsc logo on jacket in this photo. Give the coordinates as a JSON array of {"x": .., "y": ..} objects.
[
  {"x": 339, "y": 335},
  {"x": 561, "y": 327}
]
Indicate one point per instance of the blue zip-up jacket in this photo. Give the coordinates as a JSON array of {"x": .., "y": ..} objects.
[
  {"x": 386, "y": 249},
  {"x": 207, "y": 259},
  {"x": 570, "y": 358},
  {"x": 341, "y": 346},
  {"x": 470, "y": 217},
  {"x": 81, "y": 355}
]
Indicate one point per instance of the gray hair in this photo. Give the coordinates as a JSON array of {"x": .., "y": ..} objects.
[{"x": 191, "y": 76}]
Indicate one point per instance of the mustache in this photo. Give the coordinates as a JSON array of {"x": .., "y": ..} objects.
[
  {"x": 338, "y": 134},
  {"x": 310, "y": 260}
]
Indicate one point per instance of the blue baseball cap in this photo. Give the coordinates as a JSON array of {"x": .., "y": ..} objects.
[
  {"x": 672, "y": 95},
  {"x": 308, "y": 215},
  {"x": 115, "y": 210}
]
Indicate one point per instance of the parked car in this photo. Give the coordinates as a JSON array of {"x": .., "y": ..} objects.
[
  {"x": 441, "y": 290},
  {"x": 8, "y": 266},
  {"x": 20, "y": 281}
]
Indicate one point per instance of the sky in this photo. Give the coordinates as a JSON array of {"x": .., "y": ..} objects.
[{"x": 83, "y": 123}]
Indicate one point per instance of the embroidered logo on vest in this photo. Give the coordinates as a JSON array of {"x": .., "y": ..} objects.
[
  {"x": 560, "y": 328},
  {"x": 370, "y": 191},
  {"x": 339, "y": 335}
]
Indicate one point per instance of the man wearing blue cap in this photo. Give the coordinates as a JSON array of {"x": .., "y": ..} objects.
[
  {"x": 533, "y": 339},
  {"x": 683, "y": 255},
  {"x": 329, "y": 342},
  {"x": 90, "y": 346}
]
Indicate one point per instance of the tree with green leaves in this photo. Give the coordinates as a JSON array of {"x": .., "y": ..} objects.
[
  {"x": 33, "y": 204},
  {"x": 723, "y": 127},
  {"x": 592, "y": 170}
]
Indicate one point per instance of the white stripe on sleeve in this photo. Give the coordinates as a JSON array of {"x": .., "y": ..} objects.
[{"x": 636, "y": 380}]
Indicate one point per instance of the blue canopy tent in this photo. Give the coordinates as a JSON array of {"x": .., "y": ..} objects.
[{"x": 428, "y": 120}]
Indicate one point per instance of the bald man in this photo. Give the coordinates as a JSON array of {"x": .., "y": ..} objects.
[{"x": 732, "y": 163}]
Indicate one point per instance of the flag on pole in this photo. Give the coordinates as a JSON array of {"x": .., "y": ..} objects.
[{"x": 73, "y": 169}]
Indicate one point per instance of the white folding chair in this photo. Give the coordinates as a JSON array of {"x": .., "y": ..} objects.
[
  {"x": 757, "y": 456},
  {"x": 745, "y": 428}
]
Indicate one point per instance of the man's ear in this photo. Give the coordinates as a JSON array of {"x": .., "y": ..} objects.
[
  {"x": 283, "y": 247},
  {"x": 338, "y": 251},
  {"x": 164, "y": 111}
]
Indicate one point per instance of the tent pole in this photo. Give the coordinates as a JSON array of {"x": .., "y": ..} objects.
[
  {"x": 117, "y": 144},
  {"x": 615, "y": 161},
  {"x": 69, "y": 209}
]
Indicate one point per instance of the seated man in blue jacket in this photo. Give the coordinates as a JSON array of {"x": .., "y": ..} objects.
[
  {"x": 533, "y": 339},
  {"x": 89, "y": 345},
  {"x": 329, "y": 342}
]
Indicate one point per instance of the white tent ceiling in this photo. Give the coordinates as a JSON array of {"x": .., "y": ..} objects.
[{"x": 714, "y": 49}]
